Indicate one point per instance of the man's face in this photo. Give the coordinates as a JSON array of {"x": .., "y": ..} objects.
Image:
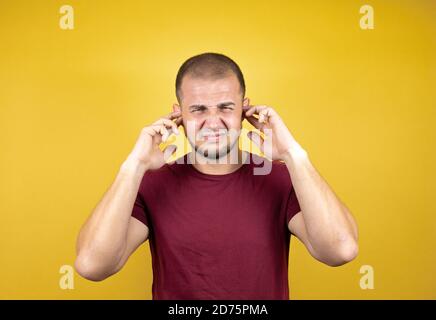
[{"x": 212, "y": 114}]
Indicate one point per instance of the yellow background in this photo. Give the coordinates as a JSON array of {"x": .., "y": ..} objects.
[{"x": 361, "y": 102}]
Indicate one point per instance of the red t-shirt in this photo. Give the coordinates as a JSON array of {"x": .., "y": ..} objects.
[{"x": 218, "y": 236}]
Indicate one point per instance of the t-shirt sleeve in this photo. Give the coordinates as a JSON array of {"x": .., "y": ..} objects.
[
  {"x": 140, "y": 210},
  {"x": 293, "y": 206}
]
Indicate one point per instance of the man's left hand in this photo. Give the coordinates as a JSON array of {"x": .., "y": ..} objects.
[{"x": 274, "y": 130}]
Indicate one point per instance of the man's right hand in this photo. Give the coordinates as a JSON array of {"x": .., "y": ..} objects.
[{"x": 146, "y": 151}]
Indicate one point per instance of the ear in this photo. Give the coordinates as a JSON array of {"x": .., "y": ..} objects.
[
  {"x": 176, "y": 107},
  {"x": 245, "y": 103}
]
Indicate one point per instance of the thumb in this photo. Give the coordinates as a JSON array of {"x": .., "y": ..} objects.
[
  {"x": 168, "y": 152},
  {"x": 256, "y": 138}
]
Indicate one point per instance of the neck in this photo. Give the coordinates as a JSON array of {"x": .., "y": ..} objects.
[{"x": 223, "y": 165}]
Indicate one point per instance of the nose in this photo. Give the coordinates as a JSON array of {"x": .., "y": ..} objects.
[{"x": 213, "y": 120}]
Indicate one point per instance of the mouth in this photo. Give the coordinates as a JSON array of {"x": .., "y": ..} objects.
[{"x": 213, "y": 136}]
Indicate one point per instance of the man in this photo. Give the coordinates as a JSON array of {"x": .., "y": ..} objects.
[{"x": 216, "y": 229}]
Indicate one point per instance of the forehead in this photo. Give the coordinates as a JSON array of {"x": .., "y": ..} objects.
[{"x": 209, "y": 91}]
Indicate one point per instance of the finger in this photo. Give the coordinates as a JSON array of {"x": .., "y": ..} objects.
[
  {"x": 178, "y": 121},
  {"x": 154, "y": 131},
  {"x": 254, "y": 110},
  {"x": 164, "y": 133},
  {"x": 158, "y": 129},
  {"x": 245, "y": 108},
  {"x": 264, "y": 115},
  {"x": 169, "y": 151},
  {"x": 256, "y": 138},
  {"x": 169, "y": 124},
  {"x": 254, "y": 121},
  {"x": 173, "y": 115}
]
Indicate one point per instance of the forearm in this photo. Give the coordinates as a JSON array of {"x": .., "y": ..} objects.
[
  {"x": 102, "y": 239},
  {"x": 330, "y": 227}
]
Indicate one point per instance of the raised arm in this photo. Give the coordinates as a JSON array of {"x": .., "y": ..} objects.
[
  {"x": 110, "y": 234},
  {"x": 325, "y": 225}
]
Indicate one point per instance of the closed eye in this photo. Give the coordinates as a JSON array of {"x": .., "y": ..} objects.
[
  {"x": 198, "y": 109},
  {"x": 225, "y": 107},
  {"x": 203, "y": 109}
]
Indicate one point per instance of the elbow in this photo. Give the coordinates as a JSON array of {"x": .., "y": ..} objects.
[
  {"x": 89, "y": 270},
  {"x": 344, "y": 254}
]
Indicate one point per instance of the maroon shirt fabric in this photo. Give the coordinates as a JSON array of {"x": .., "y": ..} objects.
[{"x": 218, "y": 236}]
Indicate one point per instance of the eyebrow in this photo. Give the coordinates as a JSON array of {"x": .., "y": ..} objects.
[{"x": 220, "y": 105}]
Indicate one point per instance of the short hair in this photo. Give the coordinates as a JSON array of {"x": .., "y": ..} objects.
[{"x": 209, "y": 65}]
